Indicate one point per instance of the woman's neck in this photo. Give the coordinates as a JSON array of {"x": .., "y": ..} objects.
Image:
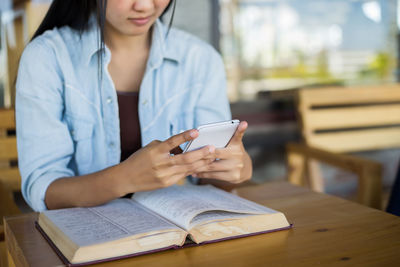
[
  {"x": 129, "y": 58},
  {"x": 118, "y": 42}
]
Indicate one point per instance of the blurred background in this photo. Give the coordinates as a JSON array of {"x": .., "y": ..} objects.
[{"x": 272, "y": 50}]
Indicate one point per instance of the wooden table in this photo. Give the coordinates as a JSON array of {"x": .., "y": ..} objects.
[{"x": 327, "y": 231}]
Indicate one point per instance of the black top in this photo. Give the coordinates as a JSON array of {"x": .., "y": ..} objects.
[{"x": 129, "y": 123}]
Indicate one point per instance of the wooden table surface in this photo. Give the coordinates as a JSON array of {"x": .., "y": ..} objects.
[{"x": 327, "y": 231}]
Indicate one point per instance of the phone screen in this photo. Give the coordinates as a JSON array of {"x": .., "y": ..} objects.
[{"x": 216, "y": 134}]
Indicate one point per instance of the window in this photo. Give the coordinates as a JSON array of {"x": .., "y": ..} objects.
[{"x": 283, "y": 44}]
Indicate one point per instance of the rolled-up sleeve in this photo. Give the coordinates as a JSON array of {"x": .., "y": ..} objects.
[
  {"x": 44, "y": 143},
  {"x": 212, "y": 104}
]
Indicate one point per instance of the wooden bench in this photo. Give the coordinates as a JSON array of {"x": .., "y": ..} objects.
[{"x": 340, "y": 120}]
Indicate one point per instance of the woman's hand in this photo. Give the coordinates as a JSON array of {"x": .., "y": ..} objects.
[
  {"x": 233, "y": 164},
  {"x": 153, "y": 166}
]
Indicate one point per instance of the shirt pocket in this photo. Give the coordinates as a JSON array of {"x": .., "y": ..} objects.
[
  {"x": 181, "y": 123},
  {"x": 82, "y": 137}
]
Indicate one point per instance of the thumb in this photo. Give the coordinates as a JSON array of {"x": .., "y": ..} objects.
[{"x": 241, "y": 129}]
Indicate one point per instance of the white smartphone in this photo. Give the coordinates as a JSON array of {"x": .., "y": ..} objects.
[{"x": 216, "y": 134}]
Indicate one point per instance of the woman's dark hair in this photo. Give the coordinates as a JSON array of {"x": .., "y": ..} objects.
[{"x": 76, "y": 14}]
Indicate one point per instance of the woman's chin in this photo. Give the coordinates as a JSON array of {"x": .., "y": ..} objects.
[{"x": 135, "y": 30}]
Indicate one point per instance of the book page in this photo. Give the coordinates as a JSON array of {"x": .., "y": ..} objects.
[
  {"x": 117, "y": 219},
  {"x": 180, "y": 204},
  {"x": 216, "y": 215}
]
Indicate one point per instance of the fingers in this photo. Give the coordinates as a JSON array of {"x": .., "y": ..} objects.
[
  {"x": 178, "y": 139},
  {"x": 193, "y": 156},
  {"x": 190, "y": 168},
  {"x": 227, "y": 153},
  {"x": 174, "y": 173},
  {"x": 232, "y": 177},
  {"x": 173, "y": 179},
  {"x": 220, "y": 165},
  {"x": 238, "y": 136}
]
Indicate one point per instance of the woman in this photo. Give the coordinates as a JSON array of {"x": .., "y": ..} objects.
[{"x": 92, "y": 71}]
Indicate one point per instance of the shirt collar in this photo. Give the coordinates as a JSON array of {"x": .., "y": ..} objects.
[
  {"x": 159, "y": 50},
  {"x": 90, "y": 40}
]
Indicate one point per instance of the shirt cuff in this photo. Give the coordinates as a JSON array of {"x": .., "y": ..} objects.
[{"x": 39, "y": 188}]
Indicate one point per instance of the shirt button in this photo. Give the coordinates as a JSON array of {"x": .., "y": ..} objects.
[
  {"x": 111, "y": 144},
  {"x": 109, "y": 100},
  {"x": 144, "y": 102}
]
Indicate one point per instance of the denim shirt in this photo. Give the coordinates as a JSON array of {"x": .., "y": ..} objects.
[{"x": 68, "y": 123}]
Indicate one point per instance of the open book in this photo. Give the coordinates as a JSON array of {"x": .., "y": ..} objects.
[{"x": 153, "y": 221}]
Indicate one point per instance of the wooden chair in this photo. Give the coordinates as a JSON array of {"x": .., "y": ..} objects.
[
  {"x": 342, "y": 120},
  {"x": 9, "y": 174},
  {"x": 10, "y": 180}
]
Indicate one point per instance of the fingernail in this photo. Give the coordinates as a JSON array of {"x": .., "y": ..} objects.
[
  {"x": 192, "y": 133},
  {"x": 211, "y": 149},
  {"x": 194, "y": 175}
]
